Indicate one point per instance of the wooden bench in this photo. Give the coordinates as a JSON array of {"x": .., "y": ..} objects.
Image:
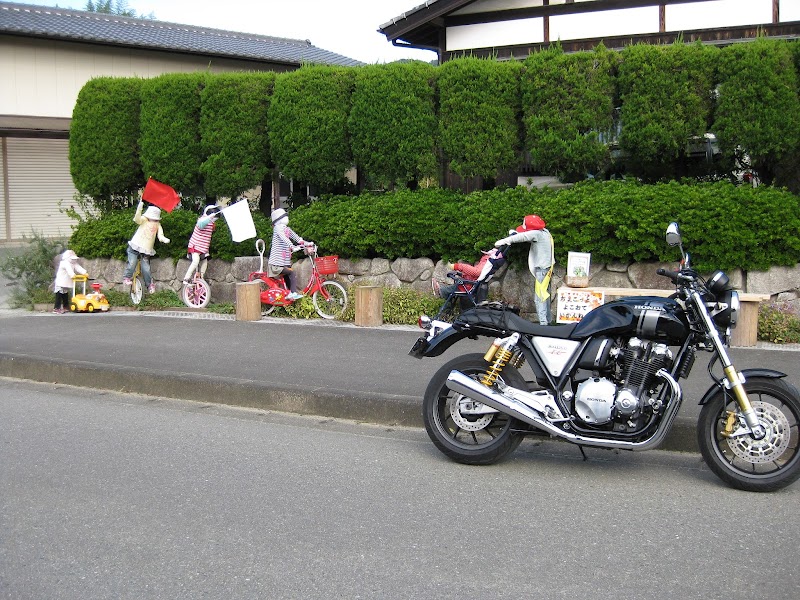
[{"x": 744, "y": 334}]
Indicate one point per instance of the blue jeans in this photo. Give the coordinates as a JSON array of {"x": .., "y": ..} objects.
[
  {"x": 133, "y": 256},
  {"x": 543, "y": 310}
]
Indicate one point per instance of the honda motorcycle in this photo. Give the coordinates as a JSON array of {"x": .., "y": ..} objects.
[{"x": 612, "y": 381}]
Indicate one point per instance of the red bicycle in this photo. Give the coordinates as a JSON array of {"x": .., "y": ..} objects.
[{"x": 329, "y": 297}]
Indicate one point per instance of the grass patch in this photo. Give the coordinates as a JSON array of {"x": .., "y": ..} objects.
[{"x": 779, "y": 323}]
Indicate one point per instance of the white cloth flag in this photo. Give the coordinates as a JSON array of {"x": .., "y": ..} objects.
[{"x": 240, "y": 221}]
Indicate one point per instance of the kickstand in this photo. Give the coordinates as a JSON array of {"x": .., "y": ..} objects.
[{"x": 585, "y": 458}]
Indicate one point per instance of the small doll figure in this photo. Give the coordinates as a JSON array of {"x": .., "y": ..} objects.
[
  {"x": 142, "y": 242},
  {"x": 540, "y": 260},
  {"x": 489, "y": 262},
  {"x": 284, "y": 243},
  {"x": 68, "y": 267},
  {"x": 200, "y": 242}
]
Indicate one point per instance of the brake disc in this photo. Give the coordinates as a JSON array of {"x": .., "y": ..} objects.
[
  {"x": 773, "y": 445},
  {"x": 465, "y": 420}
]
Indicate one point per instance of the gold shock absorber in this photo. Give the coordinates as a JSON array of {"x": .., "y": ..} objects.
[
  {"x": 739, "y": 393},
  {"x": 499, "y": 360}
]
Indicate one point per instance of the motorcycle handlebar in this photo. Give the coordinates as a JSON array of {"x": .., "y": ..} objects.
[{"x": 673, "y": 275}]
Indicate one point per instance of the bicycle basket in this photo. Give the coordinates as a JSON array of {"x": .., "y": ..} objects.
[{"x": 327, "y": 265}]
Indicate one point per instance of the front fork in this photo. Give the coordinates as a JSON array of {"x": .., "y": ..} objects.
[{"x": 734, "y": 380}]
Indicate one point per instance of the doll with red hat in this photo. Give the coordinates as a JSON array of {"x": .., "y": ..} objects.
[{"x": 540, "y": 260}]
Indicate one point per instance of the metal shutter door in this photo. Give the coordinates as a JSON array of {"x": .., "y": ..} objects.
[
  {"x": 3, "y": 229},
  {"x": 38, "y": 178}
]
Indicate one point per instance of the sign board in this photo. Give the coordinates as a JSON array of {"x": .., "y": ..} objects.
[
  {"x": 573, "y": 304},
  {"x": 578, "y": 269}
]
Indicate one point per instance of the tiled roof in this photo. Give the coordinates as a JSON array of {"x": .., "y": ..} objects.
[{"x": 97, "y": 28}]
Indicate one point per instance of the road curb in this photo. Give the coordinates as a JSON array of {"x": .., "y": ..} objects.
[{"x": 380, "y": 409}]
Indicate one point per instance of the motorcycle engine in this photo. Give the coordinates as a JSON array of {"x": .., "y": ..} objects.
[{"x": 623, "y": 397}]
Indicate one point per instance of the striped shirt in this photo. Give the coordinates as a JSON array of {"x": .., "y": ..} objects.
[
  {"x": 280, "y": 253},
  {"x": 201, "y": 238}
]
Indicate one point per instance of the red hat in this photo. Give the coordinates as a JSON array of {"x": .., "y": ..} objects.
[{"x": 531, "y": 222}]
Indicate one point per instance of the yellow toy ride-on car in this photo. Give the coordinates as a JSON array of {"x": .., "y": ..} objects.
[{"x": 84, "y": 302}]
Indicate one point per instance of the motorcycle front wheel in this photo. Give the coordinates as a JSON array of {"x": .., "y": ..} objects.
[
  {"x": 455, "y": 423},
  {"x": 743, "y": 462}
]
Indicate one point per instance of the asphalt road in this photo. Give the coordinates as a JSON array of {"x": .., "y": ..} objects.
[
  {"x": 314, "y": 367},
  {"x": 106, "y": 495}
]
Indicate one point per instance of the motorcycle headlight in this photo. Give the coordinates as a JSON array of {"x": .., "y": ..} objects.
[
  {"x": 726, "y": 310},
  {"x": 718, "y": 283}
]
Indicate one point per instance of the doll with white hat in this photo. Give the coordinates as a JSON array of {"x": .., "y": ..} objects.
[
  {"x": 200, "y": 241},
  {"x": 284, "y": 243},
  {"x": 142, "y": 243},
  {"x": 67, "y": 268}
]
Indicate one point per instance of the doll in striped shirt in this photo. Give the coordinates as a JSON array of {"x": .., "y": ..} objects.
[
  {"x": 200, "y": 241},
  {"x": 284, "y": 243}
]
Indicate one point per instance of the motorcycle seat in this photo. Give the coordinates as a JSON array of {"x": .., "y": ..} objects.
[
  {"x": 561, "y": 332},
  {"x": 509, "y": 321}
]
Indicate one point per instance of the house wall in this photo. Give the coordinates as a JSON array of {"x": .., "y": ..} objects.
[
  {"x": 42, "y": 77},
  {"x": 628, "y": 21}
]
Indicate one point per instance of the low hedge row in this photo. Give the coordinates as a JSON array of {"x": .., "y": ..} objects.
[{"x": 725, "y": 226}]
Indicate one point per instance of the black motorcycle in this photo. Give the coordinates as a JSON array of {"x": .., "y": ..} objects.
[{"x": 611, "y": 381}]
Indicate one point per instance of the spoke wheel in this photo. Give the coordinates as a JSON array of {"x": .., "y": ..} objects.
[
  {"x": 743, "y": 462},
  {"x": 137, "y": 290},
  {"x": 456, "y": 424},
  {"x": 331, "y": 301},
  {"x": 196, "y": 294}
]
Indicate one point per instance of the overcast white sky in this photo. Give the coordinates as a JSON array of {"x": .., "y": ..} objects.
[{"x": 347, "y": 27}]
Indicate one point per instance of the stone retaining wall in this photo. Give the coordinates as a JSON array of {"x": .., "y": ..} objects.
[{"x": 513, "y": 285}]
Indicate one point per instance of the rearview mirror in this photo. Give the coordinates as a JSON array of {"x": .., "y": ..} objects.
[{"x": 673, "y": 235}]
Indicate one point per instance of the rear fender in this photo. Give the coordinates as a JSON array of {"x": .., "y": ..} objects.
[
  {"x": 438, "y": 340},
  {"x": 748, "y": 374}
]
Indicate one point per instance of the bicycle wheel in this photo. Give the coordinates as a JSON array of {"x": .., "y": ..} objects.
[
  {"x": 331, "y": 301},
  {"x": 196, "y": 294},
  {"x": 137, "y": 290}
]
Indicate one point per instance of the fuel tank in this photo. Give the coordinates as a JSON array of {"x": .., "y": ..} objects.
[{"x": 648, "y": 317}]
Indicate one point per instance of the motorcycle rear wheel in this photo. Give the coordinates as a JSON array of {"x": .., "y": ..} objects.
[
  {"x": 745, "y": 463},
  {"x": 469, "y": 439}
]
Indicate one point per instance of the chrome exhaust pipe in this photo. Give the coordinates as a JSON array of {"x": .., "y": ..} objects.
[{"x": 462, "y": 384}]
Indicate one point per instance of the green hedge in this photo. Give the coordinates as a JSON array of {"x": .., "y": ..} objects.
[
  {"x": 479, "y": 106},
  {"x": 170, "y": 130},
  {"x": 568, "y": 102},
  {"x": 308, "y": 124},
  {"x": 666, "y": 98},
  {"x": 214, "y": 134},
  {"x": 758, "y": 111},
  {"x": 392, "y": 123},
  {"x": 104, "y": 153},
  {"x": 233, "y": 132},
  {"x": 725, "y": 226}
]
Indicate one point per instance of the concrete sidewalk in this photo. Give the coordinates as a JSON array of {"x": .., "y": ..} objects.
[{"x": 315, "y": 367}]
